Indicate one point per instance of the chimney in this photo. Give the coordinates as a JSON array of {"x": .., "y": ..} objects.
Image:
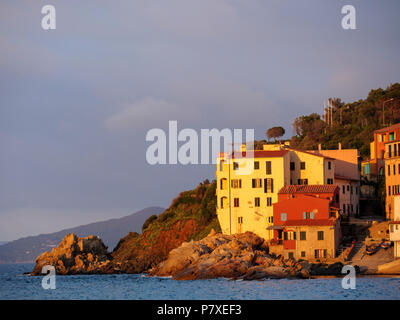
[
  {"x": 319, "y": 147},
  {"x": 340, "y": 146}
]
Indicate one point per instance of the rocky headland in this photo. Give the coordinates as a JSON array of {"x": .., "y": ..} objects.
[
  {"x": 179, "y": 243},
  {"x": 75, "y": 255},
  {"x": 240, "y": 256}
]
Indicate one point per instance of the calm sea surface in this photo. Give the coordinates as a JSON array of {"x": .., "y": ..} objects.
[{"x": 15, "y": 285}]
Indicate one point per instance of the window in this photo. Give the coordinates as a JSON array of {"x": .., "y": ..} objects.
[
  {"x": 394, "y": 169},
  {"x": 367, "y": 169},
  {"x": 391, "y": 136},
  {"x": 256, "y": 183},
  {"x": 388, "y": 169},
  {"x": 291, "y": 255},
  {"x": 303, "y": 254},
  {"x": 348, "y": 187},
  {"x": 306, "y": 215},
  {"x": 285, "y": 236},
  {"x": 235, "y": 166},
  {"x": 240, "y": 220},
  {"x": 256, "y": 165},
  {"x": 330, "y": 181},
  {"x": 270, "y": 219},
  {"x": 344, "y": 208},
  {"x": 320, "y": 235},
  {"x": 221, "y": 165},
  {"x": 320, "y": 253},
  {"x": 236, "y": 202},
  {"x": 351, "y": 189},
  {"x": 356, "y": 190},
  {"x": 302, "y": 181},
  {"x": 236, "y": 183},
  {"x": 292, "y": 166},
  {"x": 302, "y": 165},
  {"x": 395, "y": 150},
  {"x": 302, "y": 235},
  {"x": 389, "y": 190},
  {"x": 268, "y": 185},
  {"x": 268, "y": 167},
  {"x": 256, "y": 202},
  {"x": 224, "y": 202},
  {"x": 390, "y": 151},
  {"x": 283, "y": 216},
  {"x": 312, "y": 215},
  {"x": 329, "y": 165},
  {"x": 344, "y": 189},
  {"x": 269, "y": 201}
]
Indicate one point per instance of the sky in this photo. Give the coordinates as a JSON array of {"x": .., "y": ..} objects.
[{"x": 76, "y": 102}]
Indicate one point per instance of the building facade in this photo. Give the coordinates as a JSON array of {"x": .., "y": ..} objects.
[
  {"x": 245, "y": 199},
  {"x": 394, "y": 227},
  {"x": 392, "y": 175},
  {"x": 306, "y": 222},
  {"x": 347, "y": 177},
  {"x": 374, "y": 168}
]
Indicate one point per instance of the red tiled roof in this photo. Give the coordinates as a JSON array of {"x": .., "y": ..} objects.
[
  {"x": 395, "y": 126},
  {"x": 309, "y": 222},
  {"x": 394, "y": 222},
  {"x": 309, "y": 188},
  {"x": 257, "y": 154}
]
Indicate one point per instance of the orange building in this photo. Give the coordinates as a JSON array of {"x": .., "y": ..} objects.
[
  {"x": 306, "y": 221},
  {"x": 375, "y": 166},
  {"x": 392, "y": 175}
]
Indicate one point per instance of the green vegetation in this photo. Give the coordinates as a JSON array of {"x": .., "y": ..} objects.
[
  {"x": 353, "y": 123},
  {"x": 275, "y": 132},
  {"x": 198, "y": 204},
  {"x": 148, "y": 221}
]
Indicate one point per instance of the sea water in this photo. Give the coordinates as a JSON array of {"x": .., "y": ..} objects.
[{"x": 15, "y": 285}]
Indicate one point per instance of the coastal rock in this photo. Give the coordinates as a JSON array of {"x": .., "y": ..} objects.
[
  {"x": 75, "y": 255},
  {"x": 240, "y": 256}
]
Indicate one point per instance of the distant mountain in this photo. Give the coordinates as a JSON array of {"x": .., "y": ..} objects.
[
  {"x": 3, "y": 242},
  {"x": 110, "y": 231}
]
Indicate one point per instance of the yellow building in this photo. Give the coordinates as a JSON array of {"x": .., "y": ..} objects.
[
  {"x": 245, "y": 197},
  {"x": 347, "y": 177},
  {"x": 392, "y": 175}
]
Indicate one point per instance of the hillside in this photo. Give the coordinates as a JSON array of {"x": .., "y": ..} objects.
[
  {"x": 353, "y": 123},
  {"x": 191, "y": 216},
  {"x": 110, "y": 231}
]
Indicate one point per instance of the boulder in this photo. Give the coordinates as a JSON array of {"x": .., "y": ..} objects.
[
  {"x": 240, "y": 256},
  {"x": 75, "y": 255}
]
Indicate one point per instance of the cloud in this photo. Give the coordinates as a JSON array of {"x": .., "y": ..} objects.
[{"x": 141, "y": 113}]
